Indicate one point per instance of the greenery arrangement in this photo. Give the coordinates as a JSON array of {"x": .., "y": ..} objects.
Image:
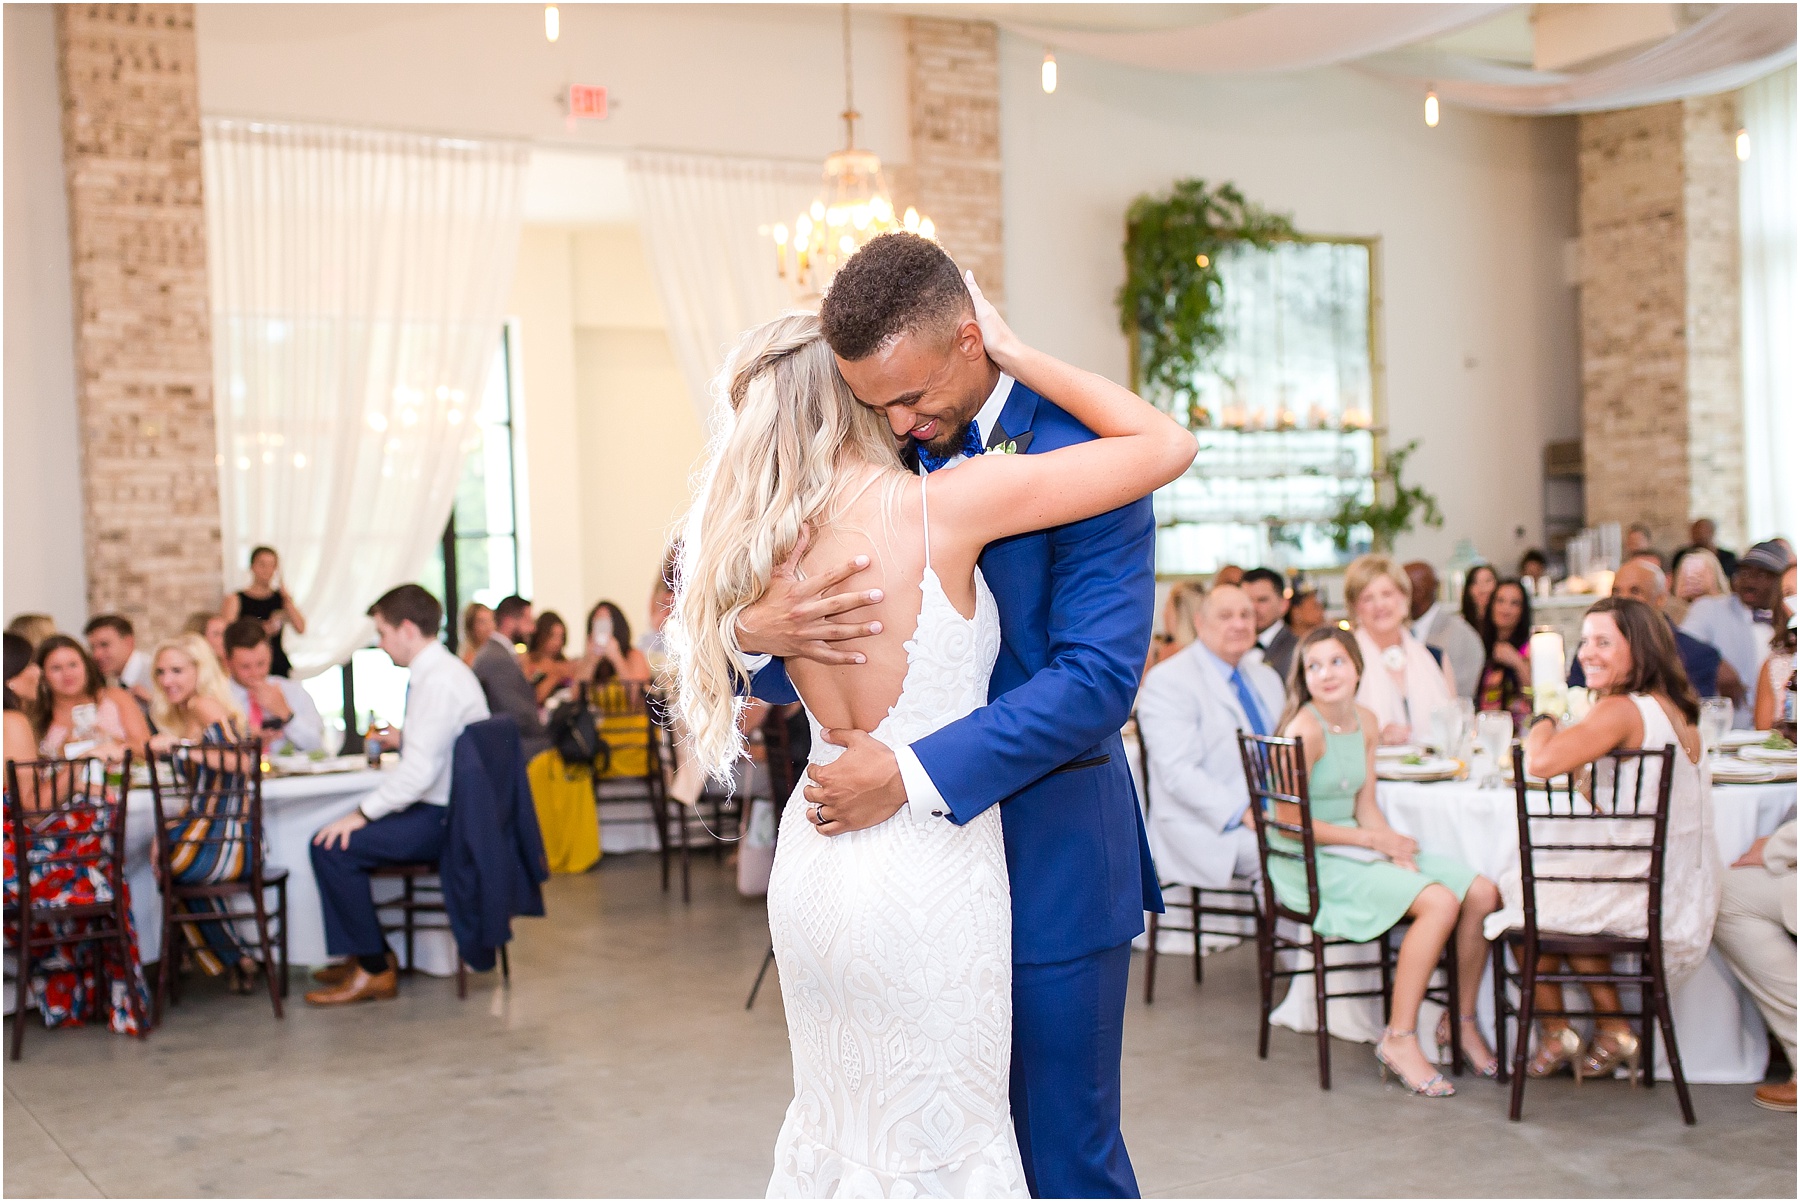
[
  {"x": 1169, "y": 302},
  {"x": 1385, "y": 520}
]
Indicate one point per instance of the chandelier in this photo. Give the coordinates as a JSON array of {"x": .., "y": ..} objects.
[{"x": 854, "y": 208}]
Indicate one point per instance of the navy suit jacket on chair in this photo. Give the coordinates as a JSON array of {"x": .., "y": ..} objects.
[
  {"x": 493, "y": 860},
  {"x": 1075, "y": 613}
]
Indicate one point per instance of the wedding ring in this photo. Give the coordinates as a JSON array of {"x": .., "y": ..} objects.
[{"x": 818, "y": 815}]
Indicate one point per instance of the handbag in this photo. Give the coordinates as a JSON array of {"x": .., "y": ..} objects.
[{"x": 575, "y": 734}]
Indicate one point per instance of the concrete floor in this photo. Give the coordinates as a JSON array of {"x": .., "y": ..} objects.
[{"x": 621, "y": 1062}]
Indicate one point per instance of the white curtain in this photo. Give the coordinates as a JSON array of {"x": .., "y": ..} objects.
[
  {"x": 705, "y": 222},
  {"x": 1771, "y": 388},
  {"x": 359, "y": 282}
]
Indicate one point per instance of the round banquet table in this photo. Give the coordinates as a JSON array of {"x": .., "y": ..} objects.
[{"x": 1722, "y": 1037}]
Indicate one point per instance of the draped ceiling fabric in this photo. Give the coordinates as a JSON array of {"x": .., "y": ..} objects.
[
  {"x": 359, "y": 283},
  {"x": 1726, "y": 49},
  {"x": 1771, "y": 385},
  {"x": 715, "y": 273}
]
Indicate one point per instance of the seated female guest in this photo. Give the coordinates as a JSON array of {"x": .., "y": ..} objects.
[
  {"x": 191, "y": 702},
  {"x": 62, "y": 974},
  {"x": 1697, "y": 575},
  {"x": 1180, "y": 612},
  {"x": 1629, "y": 656},
  {"x": 609, "y": 644},
  {"x": 1770, "y": 705},
  {"x": 1369, "y": 875},
  {"x": 544, "y": 664},
  {"x": 1506, "y": 635},
  {"x": 1478, "y": 591},
  {"x": 77, "y": 713},
  {"x": 1404, "y": 681},
  {"x": 477, "y": 629}
]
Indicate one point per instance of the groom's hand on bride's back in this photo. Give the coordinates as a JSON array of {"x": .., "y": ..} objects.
[
  {"x": 805, "y": 618},
  {"x": 859, "y": 789}
]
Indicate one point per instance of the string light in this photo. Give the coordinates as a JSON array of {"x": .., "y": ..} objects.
[
  {"x": 1743, "y": 145},
  {"x": 1431, "y": 110},
  {"x": 552, "y": 23},
  {"x": 1049, "y": 72}
]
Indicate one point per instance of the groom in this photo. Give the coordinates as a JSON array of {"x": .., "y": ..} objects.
[{"x": 1075, "y": 609}]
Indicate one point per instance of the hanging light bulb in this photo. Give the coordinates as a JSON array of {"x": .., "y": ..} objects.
[
  {"x": 1743, "y": 145},
  {"x": 1431, "y": 110},
  {"x": 1049, "y": 72},
  {"x": 552, "y": 23}
]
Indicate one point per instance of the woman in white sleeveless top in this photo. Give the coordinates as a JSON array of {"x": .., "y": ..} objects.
[
  {"x": 894, "y": 942},
  {"x": 1630, "y": 658}
]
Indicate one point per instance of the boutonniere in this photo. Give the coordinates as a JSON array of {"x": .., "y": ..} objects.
[
  {"x": 1004, "y": 444},
  {"x": 1009, "y": 447}
]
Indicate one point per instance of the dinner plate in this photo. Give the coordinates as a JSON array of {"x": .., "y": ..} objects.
[
  {"x": 300, "y": 765},
  {"x": 1430, "y": 769},
  {"x": 1770, "y": 755},
  {"x": 1399, "y": 752},
  {"x": 1742, "y": 738},
  {"x": 1743, "y": 772}
]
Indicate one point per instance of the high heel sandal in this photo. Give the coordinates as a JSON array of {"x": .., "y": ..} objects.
[
  {"x": 1433, "y": 1086},
  {"x": 1556, "y": 1051},
  {"x": 1490, "y": 1070},
  {"x": 1605, "y": 1053}
]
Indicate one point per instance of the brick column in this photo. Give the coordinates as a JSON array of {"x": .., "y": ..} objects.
[
  {"x": 143, "y": 357},
  {"x": 954, "y": 85},
  {"x": 1663, "y": 431}
]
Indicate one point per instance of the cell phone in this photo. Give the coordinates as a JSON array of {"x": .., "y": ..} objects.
[{"x": 601, "y": 631}]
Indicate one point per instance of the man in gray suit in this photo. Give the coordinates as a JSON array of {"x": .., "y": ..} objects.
[
  {"x": 1189, "y": 712},
  {"x": 1268, "y": 594},
  {"x": 497, "y": 668},
  {"x": 1445, "y": 630}
]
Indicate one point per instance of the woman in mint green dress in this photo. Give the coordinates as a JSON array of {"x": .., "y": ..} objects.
[{"x": 1371, "y": 876}]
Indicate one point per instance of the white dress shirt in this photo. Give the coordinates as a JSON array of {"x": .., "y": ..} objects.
[
  {"x": 135, "y": 674},
  {"x": 306, "y": 729},
  {"x": 442, "y": 698}
]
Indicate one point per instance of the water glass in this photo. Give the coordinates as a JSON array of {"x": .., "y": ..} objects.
[
  {"x": 1715, "y": 719},
  {"x": 1495, "y": 730}
]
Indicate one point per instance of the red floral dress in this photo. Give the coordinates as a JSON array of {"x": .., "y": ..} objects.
[{"x": 61, "y": 974}]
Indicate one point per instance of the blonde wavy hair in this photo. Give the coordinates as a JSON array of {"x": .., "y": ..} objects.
[
  {"x": 795, "y": 439},
  {"x": 210, "y": 682}
]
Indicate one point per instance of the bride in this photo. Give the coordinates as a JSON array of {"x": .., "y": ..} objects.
[{"x": 894, "y": 943}]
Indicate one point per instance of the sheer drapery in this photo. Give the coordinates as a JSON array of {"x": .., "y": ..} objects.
[
  {"x": 705, "y": 222},
  {"x": 359, "y": 283},
  {"x": 1766, "y": 225}
]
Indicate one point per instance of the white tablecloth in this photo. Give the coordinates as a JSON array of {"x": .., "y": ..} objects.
[{"x": 1722, "y": 1037}]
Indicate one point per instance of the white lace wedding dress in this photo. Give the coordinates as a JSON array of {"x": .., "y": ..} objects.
[{"x": 895, "y": 952}]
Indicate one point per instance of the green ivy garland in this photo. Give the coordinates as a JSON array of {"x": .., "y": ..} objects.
[
  {"x": 1169, "y": 303},
  {"x": 1385, "y": 520}
]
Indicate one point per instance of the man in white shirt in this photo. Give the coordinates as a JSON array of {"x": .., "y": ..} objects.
[
  {"x": 1445, "y": 630},
  {"x": 277, "y": 707},
  {"x": 403, "y": 820},
  {"x": 1189, "y": 713},
  {"x": 113, "y": 644}
]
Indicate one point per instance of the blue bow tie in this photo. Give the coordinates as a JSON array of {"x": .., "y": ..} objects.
[{"x": 971, "y": 447}]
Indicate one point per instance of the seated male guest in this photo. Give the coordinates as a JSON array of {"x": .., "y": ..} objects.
[
  {"x": 1189, "y": 713},
  {"x": 403, "y": 820},
  {"x": 1268, "y": 594},
  {"x": 113, "y": 644},
  {"x": 278, "y": 708},
  {"x": 1755, "y": 934},
  {"x": 1739, "y": 626},
  {"x": 1643, "y": 581},
  {"x": 502, "y": 678},
  {"x": 1444, "y": 630}
]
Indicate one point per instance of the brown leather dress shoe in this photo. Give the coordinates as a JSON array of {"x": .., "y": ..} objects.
[
  {"x": 360, "y": 987},
  {"x": 1776, "y": 1097},
  {"x": 337, "y": 974}
]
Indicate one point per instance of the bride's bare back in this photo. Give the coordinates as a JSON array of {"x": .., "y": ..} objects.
[{"x": 886, "y": 522}]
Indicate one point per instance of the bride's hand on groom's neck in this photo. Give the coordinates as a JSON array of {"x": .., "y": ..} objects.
[
  {"x": 859, "y": 789},
  {"x": 801, "y": 617}
]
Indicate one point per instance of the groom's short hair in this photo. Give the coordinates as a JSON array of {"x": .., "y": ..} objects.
[{"x": 897, "y": 284}]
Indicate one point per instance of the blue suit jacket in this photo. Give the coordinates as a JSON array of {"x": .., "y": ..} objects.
[
  {"x": 493, "y": 860},
  {"x": 1075, "y": 612}
]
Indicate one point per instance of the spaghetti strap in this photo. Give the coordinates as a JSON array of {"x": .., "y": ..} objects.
[{"x": 925, "y": 508}]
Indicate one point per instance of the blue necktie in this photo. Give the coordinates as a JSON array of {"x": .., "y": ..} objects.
[
  {"x": 971, "y": 447},
  {"x": 1247, "y": 699}
]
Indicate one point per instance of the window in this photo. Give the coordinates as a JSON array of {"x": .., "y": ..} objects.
[
  {"x": 477, "y": 559},
  {"x": 1287, "y": 416}
]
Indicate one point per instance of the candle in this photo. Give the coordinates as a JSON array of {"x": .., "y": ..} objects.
[
  {"x": 1602, "y": 580},
  {"x": 1548, "y": 692}
]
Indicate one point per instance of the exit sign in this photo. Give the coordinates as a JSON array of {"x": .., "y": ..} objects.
[{"x": 586, "y": 101}]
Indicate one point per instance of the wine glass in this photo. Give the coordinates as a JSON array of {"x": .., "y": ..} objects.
[
  {"x": 1715, "y": 719},
  {"x": 1465, "y": 729},
  {"x": 1445, "y": 719},
  {"x": 1495, "y": 730}
]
